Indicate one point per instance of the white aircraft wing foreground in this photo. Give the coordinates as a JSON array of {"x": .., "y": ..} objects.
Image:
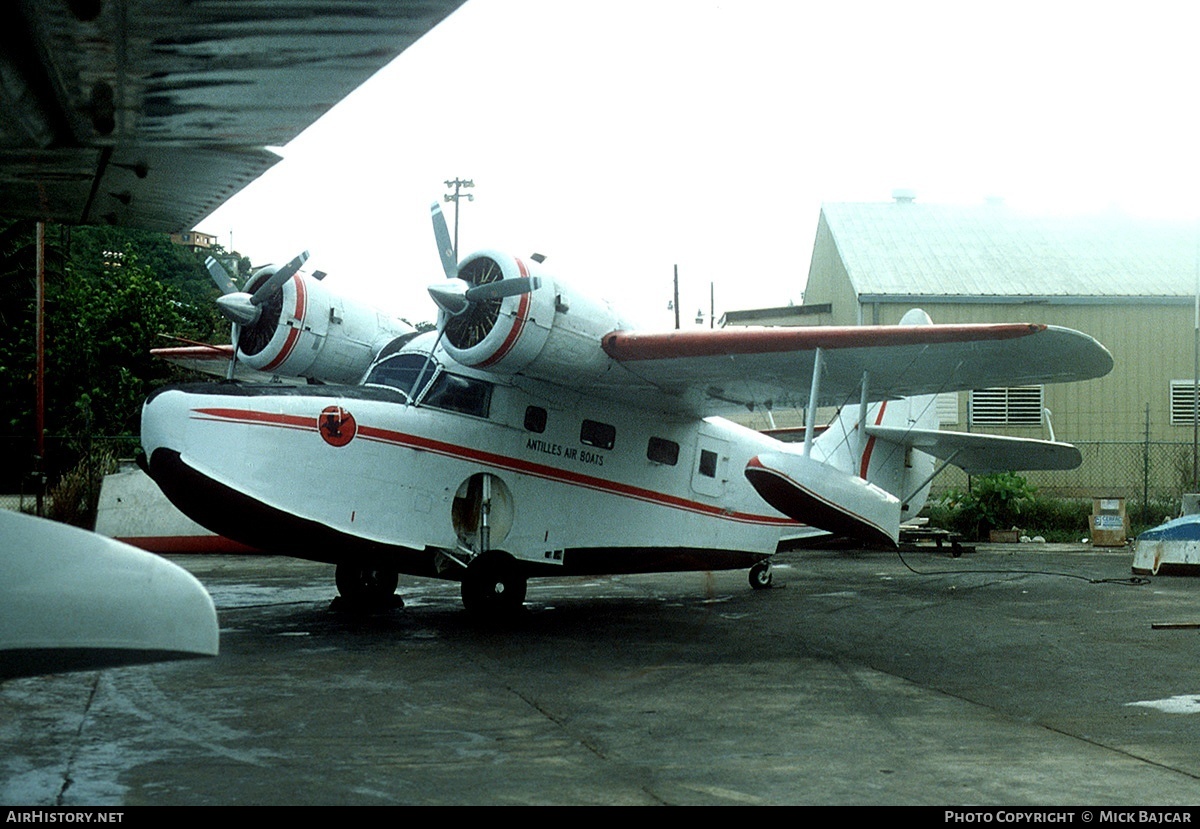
[
  {"x": 71, "y": 600},
  {"x": 536, "y": 434}
]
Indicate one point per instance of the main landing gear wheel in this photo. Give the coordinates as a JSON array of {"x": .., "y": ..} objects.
[
  {"x": 492, "y": 586},
  {"x": 367, "y": 587},
  {"x": 760, "y": 575}
]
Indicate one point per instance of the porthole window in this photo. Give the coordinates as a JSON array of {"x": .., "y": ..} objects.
[
  {"x": 535, "y": 419},
  {"x": 600, "y": 435},
  {"x": 661, "y": 450}
]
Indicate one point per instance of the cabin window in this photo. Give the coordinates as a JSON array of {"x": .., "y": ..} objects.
[
  {"x": 535, "y": 419},
  {"x": 1016, "y": 406},
  {"x": 661, "y": 450},
  {"x": 708, "y": 463},
  {"x": 455, "y": 393},
  {"x": 597, "y": 434}
]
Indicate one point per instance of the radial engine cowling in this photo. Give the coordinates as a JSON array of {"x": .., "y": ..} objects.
[
  {"x": 308, "y": 330},
  {"x": 549, "y": 332}
]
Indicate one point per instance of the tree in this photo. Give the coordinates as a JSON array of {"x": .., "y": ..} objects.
[{"x": 111, "y": 295}]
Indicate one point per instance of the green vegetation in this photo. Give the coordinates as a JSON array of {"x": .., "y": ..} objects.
[
  {"x": 1005, "y": 501},
  {"x": 112, "y": 294}
]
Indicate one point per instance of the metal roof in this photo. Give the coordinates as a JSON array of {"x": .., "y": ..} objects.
[
  {"x": 151, "y": 113},
  {"x": 904, "y": 250}
]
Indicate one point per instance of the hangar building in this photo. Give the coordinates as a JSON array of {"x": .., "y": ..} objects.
[{"x": 1130, "y": 283}]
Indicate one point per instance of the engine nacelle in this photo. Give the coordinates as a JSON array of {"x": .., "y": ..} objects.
[
  {"x": 307, "y": 330},
  {"x": 550, "y": 333}
]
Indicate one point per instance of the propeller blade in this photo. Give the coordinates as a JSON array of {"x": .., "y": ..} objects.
[
  {"x": 217, "y": 271},
  {"x": 234, "y": 334},
  {"x": 277, "y": 280},
  {"x": 445, "y": 246},
  {"x": 502, "y": 288}
]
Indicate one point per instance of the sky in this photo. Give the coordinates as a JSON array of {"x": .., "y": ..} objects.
[{"x": 626, "y": 137}]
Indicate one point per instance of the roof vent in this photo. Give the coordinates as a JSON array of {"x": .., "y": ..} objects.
[{"x": 903, "y": 195}]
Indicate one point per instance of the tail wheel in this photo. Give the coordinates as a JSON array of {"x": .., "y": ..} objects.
[
  {"x": 366, "y": 586},
  {"x": 760, "y": 575},
  {"x": 493, "y": 586}
]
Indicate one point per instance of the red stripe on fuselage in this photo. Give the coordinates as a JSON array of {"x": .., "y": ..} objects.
[
  {"x": 452, "y": 450},
  {"x": 870, "y": 447}
]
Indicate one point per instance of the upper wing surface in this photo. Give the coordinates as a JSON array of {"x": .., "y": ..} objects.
[
  {"x": 709, "y": 372},
  {"x": 214, "y": 360}
]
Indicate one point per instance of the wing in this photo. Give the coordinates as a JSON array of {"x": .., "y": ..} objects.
[
  {"x": 983, "y": 454},
  {"x": 711, "y": 372},
  {"x": 214, "y": 360}
]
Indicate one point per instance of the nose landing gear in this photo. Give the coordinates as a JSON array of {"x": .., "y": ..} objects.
[
  {"x": 760, "y": 575},
  {"x": 367, "y": 588}
]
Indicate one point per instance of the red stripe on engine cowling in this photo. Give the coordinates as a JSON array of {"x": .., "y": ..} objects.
[
  {"x": 518, "y": 326},
  {"x": 294, "y": 333}
]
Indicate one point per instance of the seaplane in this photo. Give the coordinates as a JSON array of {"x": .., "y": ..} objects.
[{"x": 536, "y": 433}]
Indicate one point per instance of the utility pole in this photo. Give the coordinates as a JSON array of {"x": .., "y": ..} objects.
[
  {"x": 675, "y": 304},
  {"x": 459, "y": 184},
  {"x": 40, "y": 383}
]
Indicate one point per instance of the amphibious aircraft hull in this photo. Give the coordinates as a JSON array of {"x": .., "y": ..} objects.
[{"x": 393, "y": 486}]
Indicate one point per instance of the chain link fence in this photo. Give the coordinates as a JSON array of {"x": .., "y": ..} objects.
[
  {"x": 1151, "y": 476},
  {"x": 70, "y": 462}
]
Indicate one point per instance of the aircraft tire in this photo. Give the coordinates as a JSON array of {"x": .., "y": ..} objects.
[
  {"x": 366, "y": 586},
  {"x": 492, "y": 586},
  {"x": 761, "y": 576}
]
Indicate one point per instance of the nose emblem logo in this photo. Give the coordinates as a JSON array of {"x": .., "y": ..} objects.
[{"x": 336, "y": 425}]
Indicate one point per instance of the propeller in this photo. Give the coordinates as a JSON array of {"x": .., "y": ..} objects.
[
  {"x": 245, "y": 309},
  {"x": 469, "y": 299}
]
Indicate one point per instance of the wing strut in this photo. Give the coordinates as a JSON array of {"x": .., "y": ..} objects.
[
  {"x": 814, "y": 394},
  {"x": 937, "y": 471},
  {"x": 862, "y": 418}
]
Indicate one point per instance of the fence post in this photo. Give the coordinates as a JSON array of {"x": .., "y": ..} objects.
[{"x": 1146, "y": 472}]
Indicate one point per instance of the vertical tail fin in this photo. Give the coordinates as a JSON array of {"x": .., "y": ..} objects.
[
  {"x": 892, "y": 466},
  {"x": 853, "y": 483}
]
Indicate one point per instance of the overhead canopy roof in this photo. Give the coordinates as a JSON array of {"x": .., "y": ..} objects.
[
  {"x": 151, "y": 113},
  {"x": 918, "y": 252}
]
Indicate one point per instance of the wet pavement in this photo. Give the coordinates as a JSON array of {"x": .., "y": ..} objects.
[{"x": 1014, "y": 675}]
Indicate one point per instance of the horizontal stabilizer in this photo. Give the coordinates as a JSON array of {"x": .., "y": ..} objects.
[
  {"x": 983, "y": 454},
  {"x": 824, "y": 497}
]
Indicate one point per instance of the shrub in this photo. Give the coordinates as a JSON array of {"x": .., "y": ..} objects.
[
  {"x": 993, "y": 502},
  {"x": 73, "y": 499}
]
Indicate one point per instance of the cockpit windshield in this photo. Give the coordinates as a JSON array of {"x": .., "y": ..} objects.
[
  {"x": 438, "y": 388},
  {"x": 401, "y": 372}
]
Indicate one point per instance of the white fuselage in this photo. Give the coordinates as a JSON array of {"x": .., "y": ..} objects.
[{"x": 589, "y": 475}]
